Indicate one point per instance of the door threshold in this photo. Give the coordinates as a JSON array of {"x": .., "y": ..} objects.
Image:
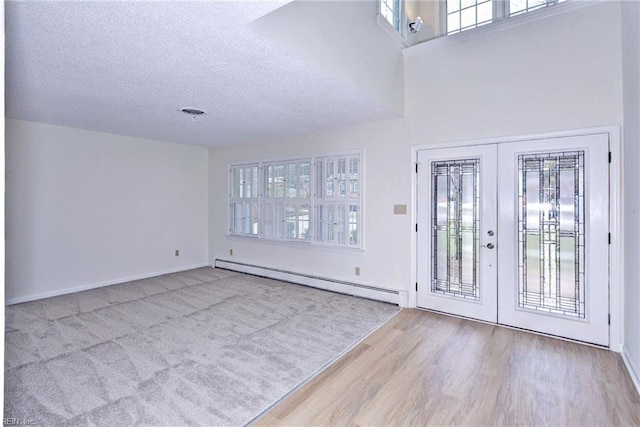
[{"x": 603, "y": 347}]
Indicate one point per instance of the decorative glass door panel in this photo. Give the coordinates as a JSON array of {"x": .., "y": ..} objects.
[
  {"x": 454, "y": 227},
  {"x": 458, "y": 188},
  {"x": 554, "y": 249},
  {"x": 549, "y": 200},
  {"x": 551, "y": 233}
]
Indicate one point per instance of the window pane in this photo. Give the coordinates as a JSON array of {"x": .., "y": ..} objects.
[
  {"x": 516, "y": 6},
  {"x": 331, "y": 223},
  {"x": 304, "y": 180},
  {"x": 453, "y": 6},
  {"x": 329, "y": 179},
  {"x": 340, "y": 224},
  {"x": 467, "y": 3},
  {"x": 551, "y": 233},
  {"x": 341, "y": 178},
  {"x": 268, "y": 218},
  {"x": 304, "y": 222},
  {"x": 468, "y": 17},
  {"x": 235, "y": 186},
  {"x": 455, "y": 227},
  {"x": 320, "y": 224},
  {"x": 353, "y": 225},
  {"x": 297, "y": 222},
  {"x": 485, "y": 12},
  {"x": 275, "y": 180},
  {"x": 291, "y": 222},
  {"x": 453, "y": 22},
  {"x": 319, "y": 185},
  {"x": 292, "y": 180},
  {"x": 354, "y": 177}
]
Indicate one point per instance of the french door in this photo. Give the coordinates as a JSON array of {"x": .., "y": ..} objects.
[{"x": 517, "y": 234}]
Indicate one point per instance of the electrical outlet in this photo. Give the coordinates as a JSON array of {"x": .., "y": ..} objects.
[
  {"x": 230, "y": 252},
  {"x": 177, "y": 252},
  {"x": 357, "y": 271}
]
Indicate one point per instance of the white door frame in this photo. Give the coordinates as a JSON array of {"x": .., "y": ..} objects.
[{"x": 615, "y": 218}]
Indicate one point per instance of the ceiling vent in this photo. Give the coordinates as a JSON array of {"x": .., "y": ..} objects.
[{"x": 192, "y": 111}]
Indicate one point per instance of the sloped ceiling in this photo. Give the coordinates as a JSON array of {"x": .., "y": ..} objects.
[{"x": 127, "y": 67}]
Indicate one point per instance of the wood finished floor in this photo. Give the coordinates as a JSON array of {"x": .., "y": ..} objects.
[{"x": 424, "y": 368}]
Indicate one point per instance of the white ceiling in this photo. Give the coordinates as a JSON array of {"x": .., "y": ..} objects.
[{"x": 127, "y": 67}]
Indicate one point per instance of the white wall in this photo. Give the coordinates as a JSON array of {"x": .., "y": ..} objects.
[
  {"x": 87, "y": 208},
  {"x": 385, "y": 261},
  {"x": 563, "y": 72},
  {"x": 342, "y": 39},
  {"x": 631, "y": 135}
]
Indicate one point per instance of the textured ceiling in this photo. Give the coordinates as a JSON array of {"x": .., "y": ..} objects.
[{"x": 127, "y": 67}]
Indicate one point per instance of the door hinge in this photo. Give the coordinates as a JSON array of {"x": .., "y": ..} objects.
[
  {"x": 609, "y": 319},
  {"x": 416, "y": 286},
  {"x": 609, "y": 238},
  {"x": 609, "y": 156},
  {"x": 416, "y": 227},
  {"x": 416, "y": 168}
]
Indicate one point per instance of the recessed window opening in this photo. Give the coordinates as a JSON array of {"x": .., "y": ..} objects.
[
  {"x": 439, "y": 18},
  {"x": 390, "y": 9}
]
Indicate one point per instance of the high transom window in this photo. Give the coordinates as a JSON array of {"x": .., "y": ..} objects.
[
  {"x": 422, "y": 20},
  {"x": 467, "y": 14},
  {"x": 315, "y": 200},
  {"x": 517, "y": 7},
  {"x": 390, "y": 9}
]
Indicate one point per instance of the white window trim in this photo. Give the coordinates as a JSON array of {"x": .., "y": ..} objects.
[
  {"x": 313, "y": 242},
  {"x": 499, "y": 25}
]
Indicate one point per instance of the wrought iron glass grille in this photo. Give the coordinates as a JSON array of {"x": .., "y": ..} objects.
[
  {"x": 455, "y": 227},
  {"x": 551, "y": 233}
]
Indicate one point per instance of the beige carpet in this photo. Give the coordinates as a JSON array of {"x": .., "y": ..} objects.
[{"x": 202, "y": 347}]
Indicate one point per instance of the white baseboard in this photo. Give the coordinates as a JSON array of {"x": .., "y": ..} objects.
[
  {"x": 633, "y": 372},
  {"x": 100, "y": 284},
  {"x": 355, "y": 289}
]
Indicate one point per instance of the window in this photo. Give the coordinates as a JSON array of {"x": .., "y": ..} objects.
[
  {"x": 338, "y": 200},
  {"x": 517, "y": 7},
  {"x": 445, "y": 17},
  {"x": 390, "y": 9},
  {"x": 466, "y": 14},
  {"x": 315, "y": 200},
  {"x": 286, "y": 203},
  {"x": 243, "y": 200}
]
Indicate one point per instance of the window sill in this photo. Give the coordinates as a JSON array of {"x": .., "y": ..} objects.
[{"x": 292, "y": 244}]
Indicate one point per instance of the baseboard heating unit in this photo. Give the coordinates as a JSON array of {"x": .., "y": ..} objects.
[{"x": 355, "y": 289}]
